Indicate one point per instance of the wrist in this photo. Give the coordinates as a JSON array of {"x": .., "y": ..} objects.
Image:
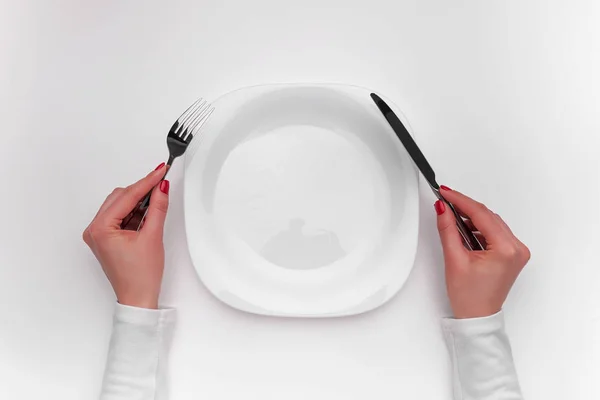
[
  {"x": 149, "y": 303},
  {"x": 475, "y": 313}
]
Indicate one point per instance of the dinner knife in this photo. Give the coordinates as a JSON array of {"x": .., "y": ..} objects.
[{"x": 470, "y": 240}]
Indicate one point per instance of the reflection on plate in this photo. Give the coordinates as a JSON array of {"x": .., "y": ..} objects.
[
  {"x": 296, "y": 249},
  {"x": 300, "y": 201}
]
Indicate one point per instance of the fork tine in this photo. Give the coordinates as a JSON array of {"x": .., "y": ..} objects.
[
  {"x": 188, "y": 114},
  {"x": 193, "y": 120},
  {"x": 197, "y": 123},
  {"x": 194, "y": 130},
  {"x": 204, "y": 119},
  {"x": 177, "y": 125},
  {"x": 191, "y": 109},
  {"x": 198, "y": 115}
]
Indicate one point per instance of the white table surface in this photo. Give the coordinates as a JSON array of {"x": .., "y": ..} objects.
[{"x": 504, "y": 97}]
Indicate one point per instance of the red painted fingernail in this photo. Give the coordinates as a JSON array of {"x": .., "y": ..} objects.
[
  {"x": 440, "y": 207},
  {"x": 164, "y": 186},
  {"x": 159, "y": 166},
  {"x": 444, "y": 187}
]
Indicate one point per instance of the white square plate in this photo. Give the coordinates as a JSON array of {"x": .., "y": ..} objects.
[{"x": 300, "y": 201}]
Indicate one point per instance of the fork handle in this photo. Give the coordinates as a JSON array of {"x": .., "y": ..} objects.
[{"x": 139, "y": 212}]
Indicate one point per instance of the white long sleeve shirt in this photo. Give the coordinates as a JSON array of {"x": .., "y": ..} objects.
[{"x": 482, "y": 363}]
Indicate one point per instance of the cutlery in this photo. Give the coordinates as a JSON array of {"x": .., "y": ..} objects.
[
  {"x": 178, "y": 139},
  {"x": 470, "y": 240}
]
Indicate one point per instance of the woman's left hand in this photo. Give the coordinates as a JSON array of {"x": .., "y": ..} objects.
[{"x": 133, "y": 261}]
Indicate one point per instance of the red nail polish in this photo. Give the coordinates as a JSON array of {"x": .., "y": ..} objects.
[
  {"x": 444, "y": 187},
  {"x": 159, "y": 166},
  {"x": 440, "y": 207},
  {"x": 164, "y": 186}
]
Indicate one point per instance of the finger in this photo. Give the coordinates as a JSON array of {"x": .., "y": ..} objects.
[
  {"x": 485, "y": 220},
  {"x": 450, "y": 236},
  {"x": 519, "y": 245},
  {"x": 123, "y": 205},
  {"x": 157, "y": 210},
  {"x": 465, "y": 218},
  {"x": 473, "y": 228},
  {"x": 460, "y": 212},
  {"x": 504, "y": 225}
]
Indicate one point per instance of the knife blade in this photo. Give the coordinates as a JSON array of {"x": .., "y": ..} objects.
[
  {"x": 423, "y": 165},
  {"x": 408, "y": 142}
]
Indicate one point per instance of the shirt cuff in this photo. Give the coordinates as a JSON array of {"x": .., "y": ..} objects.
[
  {"x": 474, "y": 326},
  {"x": 144, "y": 316}
]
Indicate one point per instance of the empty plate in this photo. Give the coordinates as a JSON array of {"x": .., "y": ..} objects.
[{"x": 300, "y": 201}]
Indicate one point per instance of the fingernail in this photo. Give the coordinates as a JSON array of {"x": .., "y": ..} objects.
[
  {"x": 164, "y": 186},
  {"x": 440, "y": 207},
  {"x": 159, "y": 166},
  {"x": 444, "y": 187}
]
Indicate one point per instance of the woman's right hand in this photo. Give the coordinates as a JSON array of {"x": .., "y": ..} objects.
[
  {"x": 478, "y": 282},
  {"x": 132, "y": 261}
]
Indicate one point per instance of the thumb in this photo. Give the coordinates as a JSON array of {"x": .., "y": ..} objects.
[
  {"x": 451, "y": 239},
  {"x": 157, "y": 210}
]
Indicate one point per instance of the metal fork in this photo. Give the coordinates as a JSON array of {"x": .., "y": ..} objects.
[{"x": 179, "y": 137}]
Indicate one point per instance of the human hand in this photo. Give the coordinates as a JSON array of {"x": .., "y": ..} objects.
[
  {"x": 478, "y": 282},
  {"x": 132, "y": 261}
]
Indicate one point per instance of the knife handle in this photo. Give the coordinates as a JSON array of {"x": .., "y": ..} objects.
[{"x": 469, "y": 239}]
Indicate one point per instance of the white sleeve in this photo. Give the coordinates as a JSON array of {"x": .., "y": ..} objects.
[
  {"x": 482, "y": 362},
  {"x": 137, "y": 356}
]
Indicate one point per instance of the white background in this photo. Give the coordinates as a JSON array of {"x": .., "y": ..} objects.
[{"x": 503, "y": 96}]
